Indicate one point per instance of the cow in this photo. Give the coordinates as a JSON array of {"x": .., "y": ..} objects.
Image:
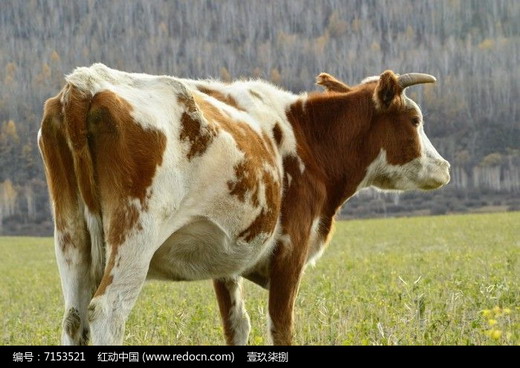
[{"x": 157, "y": 177}]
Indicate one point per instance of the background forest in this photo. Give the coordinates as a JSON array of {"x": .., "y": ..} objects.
[{"x": 473, "y": 48}]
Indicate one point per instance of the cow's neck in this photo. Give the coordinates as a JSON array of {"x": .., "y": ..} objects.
[{"x": 331, "y": 130}]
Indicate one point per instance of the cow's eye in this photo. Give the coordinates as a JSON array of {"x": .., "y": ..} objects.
[{"x": 416, "y": 121}]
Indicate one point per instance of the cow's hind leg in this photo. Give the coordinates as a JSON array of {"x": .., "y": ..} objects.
[
  {"x": 71, "y": 236},
  {"x": 125, "y": 272},
  {"x": 72, "y": 244},
  {"x": 232, "y": 310}
]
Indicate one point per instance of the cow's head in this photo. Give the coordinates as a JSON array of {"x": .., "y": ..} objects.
[{"x": 405, "y": 158}]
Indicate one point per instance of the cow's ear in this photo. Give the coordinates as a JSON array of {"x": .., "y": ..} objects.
[
  {"x": 331, "y": 84},
  {"x": 388, "y": 91}
]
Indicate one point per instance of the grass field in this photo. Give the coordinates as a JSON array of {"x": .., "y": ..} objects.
[{"x": 413, "y": 281}]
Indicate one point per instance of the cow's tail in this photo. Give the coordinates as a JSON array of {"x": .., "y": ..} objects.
[{"x": 76, "y": 102}]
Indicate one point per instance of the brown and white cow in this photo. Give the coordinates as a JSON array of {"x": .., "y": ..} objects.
[{"x": 168, "y": 178}]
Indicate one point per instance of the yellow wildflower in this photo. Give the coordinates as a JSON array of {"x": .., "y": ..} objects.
[
  {"x": 487, "y": 313},
  {"x": 496, "y": 334}
]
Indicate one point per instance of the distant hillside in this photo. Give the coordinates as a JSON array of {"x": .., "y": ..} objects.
[{"x": 473, "y": 47}]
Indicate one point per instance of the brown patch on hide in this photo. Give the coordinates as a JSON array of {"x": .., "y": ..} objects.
[
  {"x": 224, "y": 98},
  {"x": 277, "y": 134}
]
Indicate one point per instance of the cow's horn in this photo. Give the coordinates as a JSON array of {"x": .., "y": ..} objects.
[{"x": 410, "y": 79}]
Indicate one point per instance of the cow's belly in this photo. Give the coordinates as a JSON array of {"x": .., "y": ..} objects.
[{"x": 202, "y": 250}]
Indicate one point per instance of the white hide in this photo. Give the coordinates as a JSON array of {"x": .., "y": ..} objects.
[{"x": 193, "y": 195}]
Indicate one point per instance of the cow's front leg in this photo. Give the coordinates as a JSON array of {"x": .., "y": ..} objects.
[
  {"x": 234, "y": 316},
  {"x": 124, "y": 276},
  {"x": 283, "y": 288}
]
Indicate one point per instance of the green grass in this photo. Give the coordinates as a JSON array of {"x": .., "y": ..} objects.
[{"x": 427, "y": 280}]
